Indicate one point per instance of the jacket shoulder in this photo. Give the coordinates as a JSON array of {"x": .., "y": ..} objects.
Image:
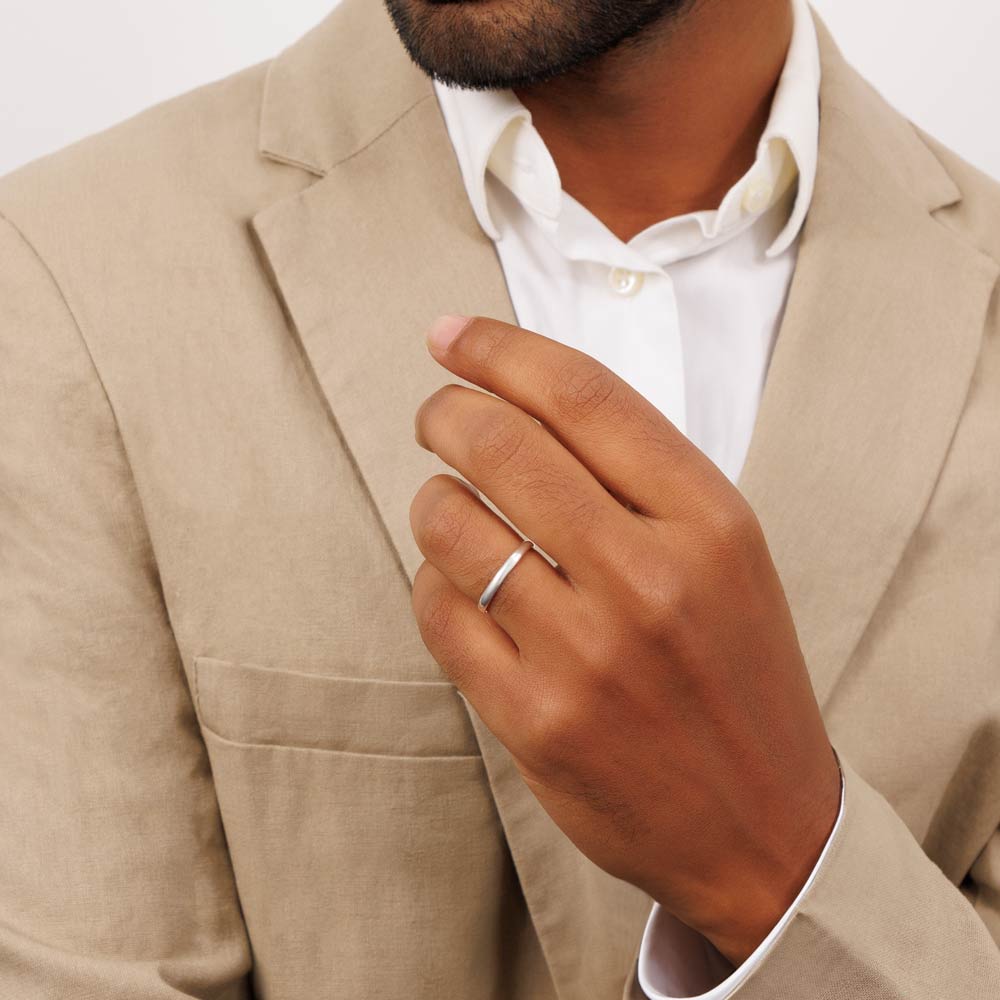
[
  {"x": 143, "y": 230},
  {"x": 168, "y": 159}
]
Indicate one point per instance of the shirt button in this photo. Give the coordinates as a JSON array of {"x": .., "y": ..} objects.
[
  {"x": 623, "y": 281},
  {"x": 757, "y": 195}
]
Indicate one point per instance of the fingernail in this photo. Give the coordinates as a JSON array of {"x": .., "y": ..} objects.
[{"x": 444, "y": 330}]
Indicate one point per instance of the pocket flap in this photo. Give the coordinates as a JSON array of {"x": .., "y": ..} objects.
[{"x": 246, "y": 703}]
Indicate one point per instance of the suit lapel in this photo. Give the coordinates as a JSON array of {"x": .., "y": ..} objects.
[
  {"x": 365, "y": 258},
  {"x": 863, "y": 392},
  {"x": 869, "y": 371}
]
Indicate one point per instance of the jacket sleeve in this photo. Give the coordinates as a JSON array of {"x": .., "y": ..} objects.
[
  {"x": 115, "y": 881},
  {"x": 882, "y": 920}
]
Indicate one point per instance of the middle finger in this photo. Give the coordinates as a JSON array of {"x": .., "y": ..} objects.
[{"x": 511, "y": 458}]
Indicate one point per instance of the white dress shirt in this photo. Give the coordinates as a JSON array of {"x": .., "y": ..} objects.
[{"x": 686, "y": 312}]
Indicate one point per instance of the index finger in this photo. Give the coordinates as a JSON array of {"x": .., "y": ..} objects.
[{"x": 625, "y": 441}]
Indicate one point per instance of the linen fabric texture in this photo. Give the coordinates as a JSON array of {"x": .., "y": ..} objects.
[{"x": 231, "y": 768}]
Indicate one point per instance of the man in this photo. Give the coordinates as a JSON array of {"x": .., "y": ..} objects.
[{"x": 260, "y": 739}]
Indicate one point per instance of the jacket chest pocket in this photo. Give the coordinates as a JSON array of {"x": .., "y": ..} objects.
[
  {"x": 363, "y": 836},
  {"x": 249, "y": 704}
]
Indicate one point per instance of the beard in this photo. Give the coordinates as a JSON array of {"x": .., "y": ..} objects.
[{"x": 498, "y": 44}]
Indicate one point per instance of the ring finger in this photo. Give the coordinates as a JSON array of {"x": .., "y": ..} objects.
[{"x": 459, "y": 535}]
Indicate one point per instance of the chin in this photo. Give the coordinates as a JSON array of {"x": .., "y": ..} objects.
[
  {"x": 484, "y": 44},
  {"x": 490, "y": 44}
]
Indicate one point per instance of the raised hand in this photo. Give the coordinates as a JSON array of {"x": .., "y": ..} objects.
[{"x": 650, "y": 688}]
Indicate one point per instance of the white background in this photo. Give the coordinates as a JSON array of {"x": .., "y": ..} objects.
[{"x": 71, "y": 67}]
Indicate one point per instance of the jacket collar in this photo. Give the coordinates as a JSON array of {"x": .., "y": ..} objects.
[{"x": 337, "y": 88}]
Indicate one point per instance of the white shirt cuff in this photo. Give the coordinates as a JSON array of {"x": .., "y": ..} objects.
[{"x": 677, "y": 963}]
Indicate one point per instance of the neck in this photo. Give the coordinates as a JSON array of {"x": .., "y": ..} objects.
[{"x": 666, "y": 123}]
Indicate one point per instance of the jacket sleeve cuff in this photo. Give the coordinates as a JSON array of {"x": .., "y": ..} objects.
[
  {"x": 677, "y": 963},
  {"x": 880, "y": 919}
]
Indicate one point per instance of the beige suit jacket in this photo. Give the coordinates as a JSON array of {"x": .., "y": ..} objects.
[{"x": 229, "y": 766}]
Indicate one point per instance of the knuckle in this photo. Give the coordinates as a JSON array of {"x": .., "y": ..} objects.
[
  {"x": 489, "y": 345},
  {"x": 662, "y": 602},
  {"x": 554, "y": 729},
  {"x": 436, "y": 404},
  {"x": 582, "y": 513},
  {"x": 604, "y": 673},
  {"x": 563, "y": 500},
  {"x": 675, "y": 591},
  {"x": 583, "y": 387},
  {"x": 445, "y": 524},
  {"x": 654, "y": 587},
  {"x": 435, "y": 607},
  {"x": 496, "y": 440},
  {"x": 733, "y": 530}
]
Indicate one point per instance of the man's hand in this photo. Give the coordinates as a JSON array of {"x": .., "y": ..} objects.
[{"x": 651, "y": 689}]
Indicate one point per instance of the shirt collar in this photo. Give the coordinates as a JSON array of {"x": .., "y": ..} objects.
[{"x": 491, "y": 132}]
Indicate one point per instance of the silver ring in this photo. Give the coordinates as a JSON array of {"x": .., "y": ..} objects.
[{"x": 501, "y": 574}]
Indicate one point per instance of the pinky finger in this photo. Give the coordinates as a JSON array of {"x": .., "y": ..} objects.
[{"x": 477, "y": 656}]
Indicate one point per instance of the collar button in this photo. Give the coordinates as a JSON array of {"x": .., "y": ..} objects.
[
  {"x": 624, "y": 282},
  {"x": 757, "y": 195}
]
